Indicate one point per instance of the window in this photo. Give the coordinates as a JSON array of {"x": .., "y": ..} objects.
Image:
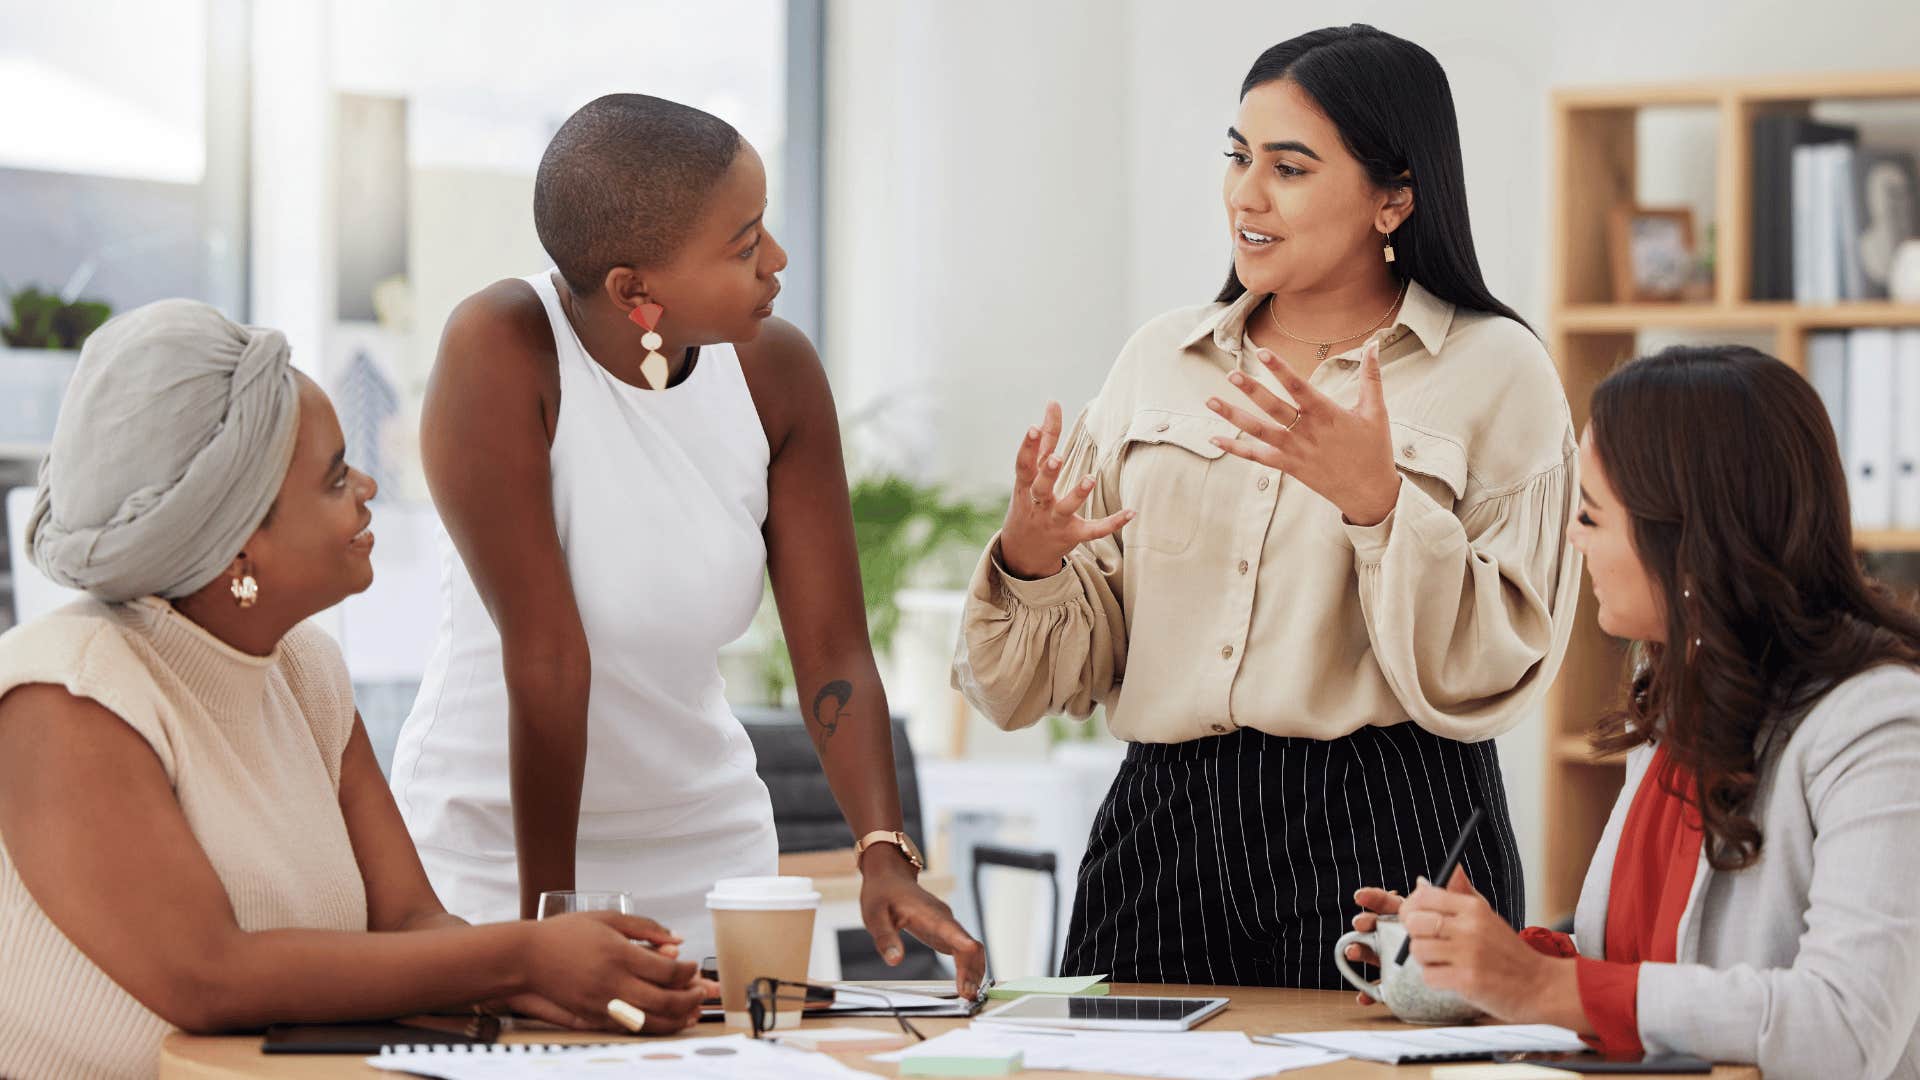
[
  {"x": 122, "y": 181},
  {"x": 117, "y": 182}
]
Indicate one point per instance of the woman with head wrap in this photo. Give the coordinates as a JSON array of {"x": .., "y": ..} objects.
[{"x": 194, "y": 831}]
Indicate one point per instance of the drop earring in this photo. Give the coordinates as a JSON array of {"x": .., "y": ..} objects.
[
  {"x": 246, "y": 591},
  {"x": 654, "y": 368},
  {"x": 1387, "y": 251}
]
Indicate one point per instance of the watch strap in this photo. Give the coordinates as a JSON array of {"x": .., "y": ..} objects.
[{"x": 888, "y": 836}]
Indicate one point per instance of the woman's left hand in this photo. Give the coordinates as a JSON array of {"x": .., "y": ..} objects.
[
  {"x": 891, "y": 900},
  {"x": 1346, "y": 455},
  {"x": 1464, "y": 946}
]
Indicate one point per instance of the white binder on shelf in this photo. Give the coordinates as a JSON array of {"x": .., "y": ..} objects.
[
  {"x": 1851, "y": 281},
  {"x": 1906, "y": 429},
  {"x": 1870, "y": 424},
  {"x": 1806, "y": 175},
  {"x": 1827, "y": 371},
  {"x": 1826, "y": 223}
]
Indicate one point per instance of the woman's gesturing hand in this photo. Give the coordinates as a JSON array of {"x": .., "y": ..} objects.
[
  {"x": 1041, "y": 528},
  {"x": 1346, "y": 455}
]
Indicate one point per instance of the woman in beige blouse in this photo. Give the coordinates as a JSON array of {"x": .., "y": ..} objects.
[
  {"x": 195, "y": 831},
  {"x": 1306, "y": 547}
]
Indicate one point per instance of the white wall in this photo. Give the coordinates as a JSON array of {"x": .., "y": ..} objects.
[
  {"x": 1013, "y": 190},
  {"x": 976, "y": 203},
  {"x": 292, "y": 215}
]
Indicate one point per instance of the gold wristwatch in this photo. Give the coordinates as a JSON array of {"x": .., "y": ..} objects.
[{"x": 897, "y": 839}]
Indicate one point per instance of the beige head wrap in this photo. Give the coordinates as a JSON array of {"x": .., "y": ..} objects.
[{"x": 171, "y": 445}]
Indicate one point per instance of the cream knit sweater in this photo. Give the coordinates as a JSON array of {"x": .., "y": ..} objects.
[{"x": 252, "y": 747}]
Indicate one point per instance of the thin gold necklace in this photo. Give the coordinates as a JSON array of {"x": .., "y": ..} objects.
[{"x": 1327, "y": 346}]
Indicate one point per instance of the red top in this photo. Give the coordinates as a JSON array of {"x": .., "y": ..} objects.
[{"x": 1652, "y": 880}]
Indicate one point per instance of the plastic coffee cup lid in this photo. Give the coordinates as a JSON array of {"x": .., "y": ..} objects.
[{"x": 763, "y": 894}]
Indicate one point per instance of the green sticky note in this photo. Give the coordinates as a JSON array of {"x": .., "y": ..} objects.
[
  {"x": 983, "y": 1064},
  {"x": 1065, "y": 986}
]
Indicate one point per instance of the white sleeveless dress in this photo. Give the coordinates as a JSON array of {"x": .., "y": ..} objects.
[{"x": 659, "y": 498}]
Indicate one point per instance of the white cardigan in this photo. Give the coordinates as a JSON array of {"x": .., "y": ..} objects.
[{"x": 1806, "y": 963}]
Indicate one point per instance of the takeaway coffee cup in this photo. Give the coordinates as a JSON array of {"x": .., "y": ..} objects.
[{"x": 762, "y": 929}]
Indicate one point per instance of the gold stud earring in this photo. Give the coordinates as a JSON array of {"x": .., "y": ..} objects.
[{"x": 246, "y": 591}]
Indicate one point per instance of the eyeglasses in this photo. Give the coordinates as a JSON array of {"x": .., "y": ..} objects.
[{"x": 764, "y": 997}]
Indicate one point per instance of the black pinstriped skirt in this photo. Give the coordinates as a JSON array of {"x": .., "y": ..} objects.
[{"x": 1233, "y": 860}]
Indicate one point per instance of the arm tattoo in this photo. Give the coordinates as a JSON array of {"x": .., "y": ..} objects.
[{"x": 839, "y": 691}]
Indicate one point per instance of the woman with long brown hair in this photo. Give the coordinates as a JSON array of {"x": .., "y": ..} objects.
[{"x": 1753, "y": 898}]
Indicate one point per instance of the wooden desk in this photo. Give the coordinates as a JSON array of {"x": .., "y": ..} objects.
[{"x": 1256, "y": 1011}]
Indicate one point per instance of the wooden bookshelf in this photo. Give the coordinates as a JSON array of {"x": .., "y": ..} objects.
[
  {"x": 1594, "y": 132},
  {"x": 1574, "y": 750},
  {"x": 1779, "y": 316}
]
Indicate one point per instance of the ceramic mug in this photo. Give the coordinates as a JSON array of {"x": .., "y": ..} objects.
[{"x": 1400, "y": 986}]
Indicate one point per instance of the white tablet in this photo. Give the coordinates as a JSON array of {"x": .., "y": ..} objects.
[{"x": 1104, "y": 1013}]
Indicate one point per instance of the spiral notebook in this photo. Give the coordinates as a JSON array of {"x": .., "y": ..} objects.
[
  {"x": 1418, "y": 1046},
  {"x": 734, "y": 1056}
]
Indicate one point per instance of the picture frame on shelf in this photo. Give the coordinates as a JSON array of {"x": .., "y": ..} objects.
[
  {"x": 1652, "y": 253},
  {"x": 1888, "y": 198}
]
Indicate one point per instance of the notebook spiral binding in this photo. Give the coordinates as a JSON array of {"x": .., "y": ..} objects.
[{"x": 491, "y": 1048}]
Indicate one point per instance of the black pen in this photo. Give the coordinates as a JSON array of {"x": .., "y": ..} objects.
[{"x": 1446, "y": 872}]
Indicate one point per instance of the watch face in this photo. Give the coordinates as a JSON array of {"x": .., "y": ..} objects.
[{"x": 900, "y": 840}]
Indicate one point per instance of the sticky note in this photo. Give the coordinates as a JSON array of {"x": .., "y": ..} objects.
[
  {"x": 837, "y": 1040},
  {"x": 1066, "y": 986},
  {"x": 982, "y": 1063}
]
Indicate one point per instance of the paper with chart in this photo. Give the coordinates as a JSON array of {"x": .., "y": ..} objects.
[
  {"x": 1200, "y": 1055},
  {"x": 735, "y": 1057},
  {"x": 1394, "y": 1045}
]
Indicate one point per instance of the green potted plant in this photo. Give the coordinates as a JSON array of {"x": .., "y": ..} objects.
[
  {"x": 42, "y": 334},
  {"x": 909, "y": 535}
]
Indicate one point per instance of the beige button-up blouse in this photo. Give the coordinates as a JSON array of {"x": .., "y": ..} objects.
[{"x": 1238, "y": 597}]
